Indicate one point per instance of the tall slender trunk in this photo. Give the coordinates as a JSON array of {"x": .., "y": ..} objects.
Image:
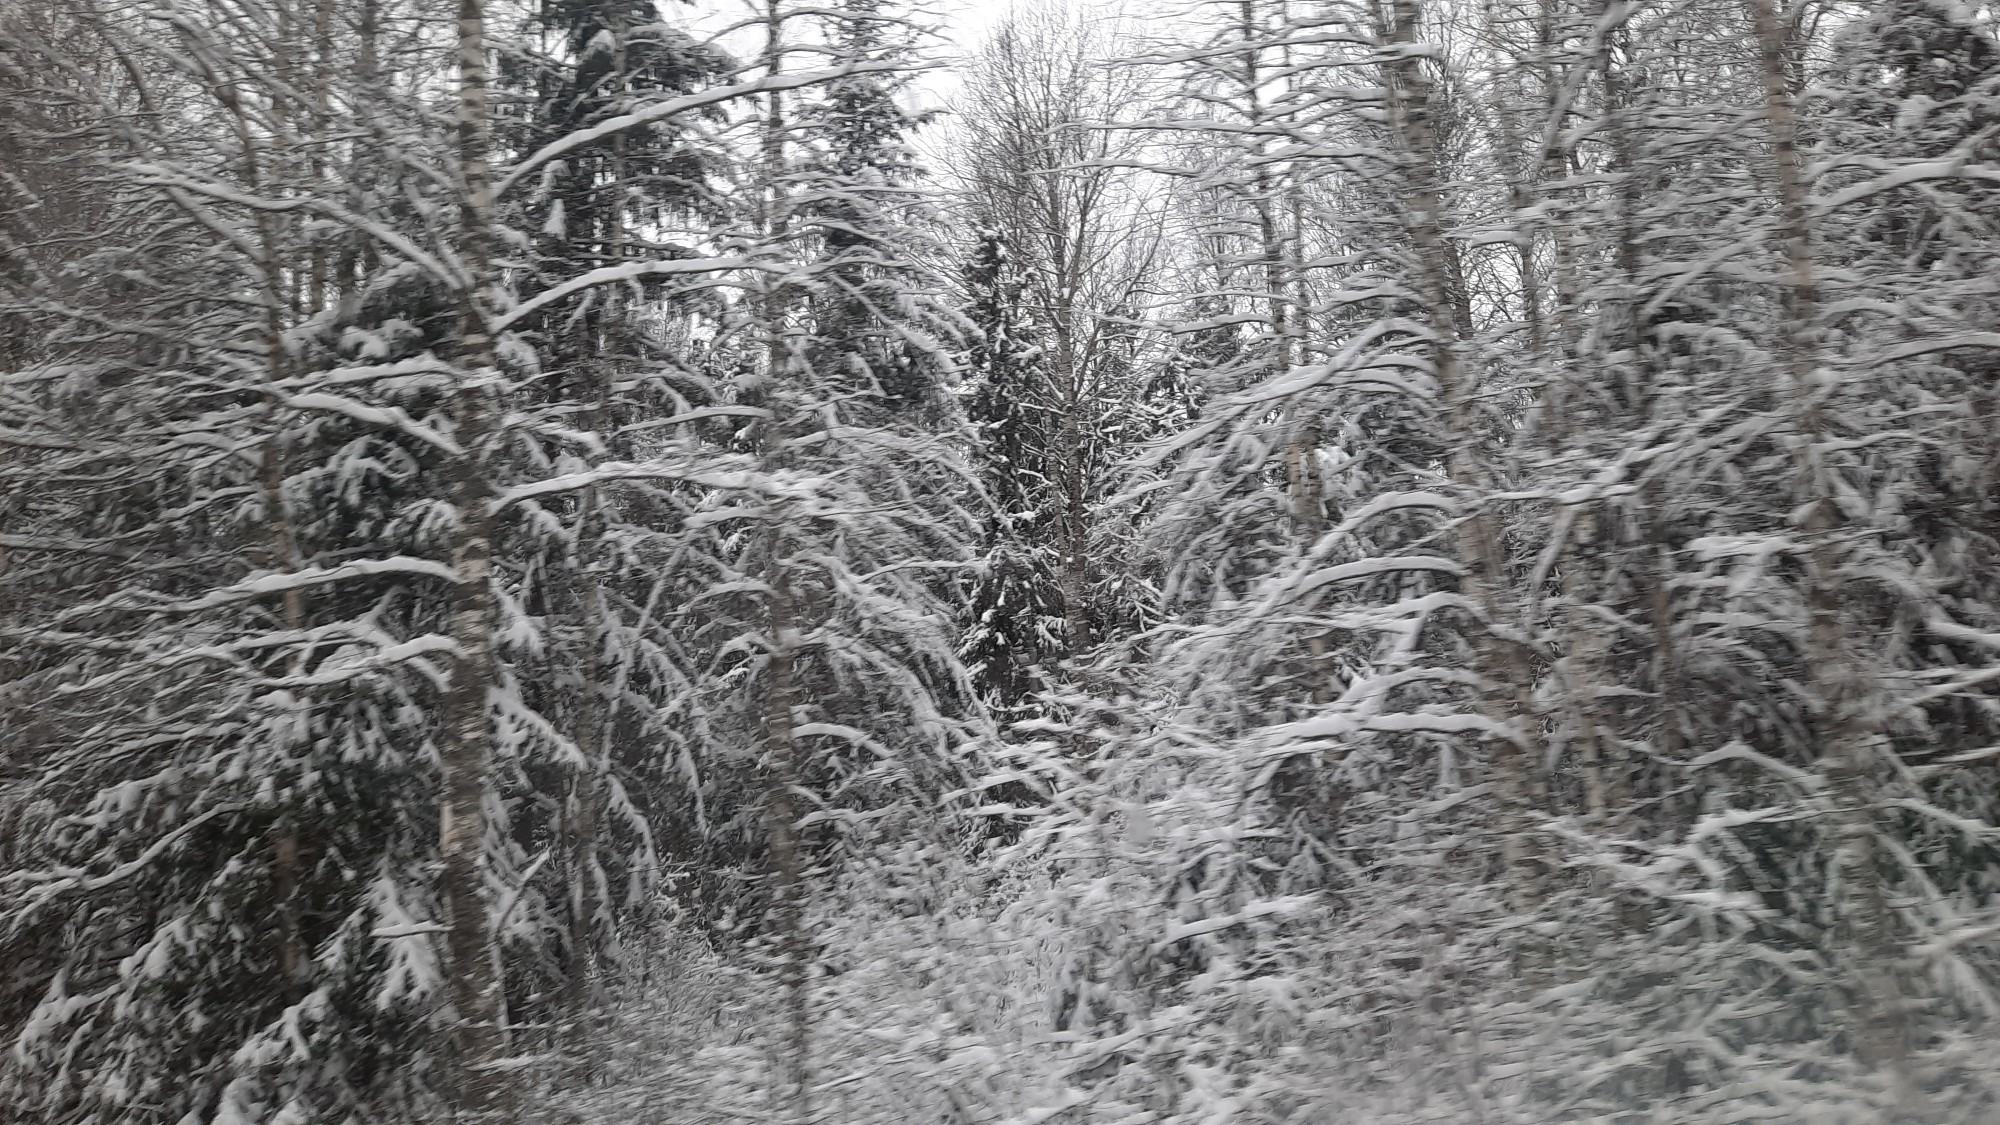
[
  {"x": 285, "y": 845},
  {"x": 1073, "y": 579},
  {"x": 1274, "y": 249},
  {"x": 465, "y": 742},
  {"x": 582, "y": 802},
  {"x": 1554, "y": 174},
  {"x": 1582, "y": 729},
  {"x": 780, "y": 693},
  {"x": 322, "y": 55},
  {"x": 356, "y": 255},
  {"x": 781, "y": 817},
  {"x": 1281, "y": 251},
  {"x": 1585, "y": 636},
  {"x": 7, "y": 607},
  {"x": 1584, "y": 640},
  {"x": 1838, "y": 687},
  {"x": 1505, "y": 696},
  {"x": 284, "y": 549},
  {"x": 1521, "y": 199},
  {"x": 584, "y": 796}
]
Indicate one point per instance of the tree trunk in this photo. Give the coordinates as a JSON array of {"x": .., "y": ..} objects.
[
  {"x": 591, "y": 711},
  {"x": 1505, "y": 696},
  {"x": 780, "y": 697},
  {"x": 1838, "y": 688},
  {"x": 465, "y": 743},
  {"x": 781, "y": 818},
  {"x": 582, "y": 810},
  {"x": 1073, "y": 581},
  {"x": 285, "y": 847}
]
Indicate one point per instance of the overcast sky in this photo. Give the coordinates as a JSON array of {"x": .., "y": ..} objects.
[{"x": 962, "y": 25}]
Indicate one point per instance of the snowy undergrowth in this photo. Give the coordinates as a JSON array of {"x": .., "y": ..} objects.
[{"x": 1105, "y": 986}]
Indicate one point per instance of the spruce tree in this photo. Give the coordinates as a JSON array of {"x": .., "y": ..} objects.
[{"x": 1015, "y": 604}]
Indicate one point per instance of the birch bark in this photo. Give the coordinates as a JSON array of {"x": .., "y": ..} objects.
[
  {"x": 1505, "y": 695},
  {"x": 1839, "y": 693},
  {"x": 465, "y": 742}
]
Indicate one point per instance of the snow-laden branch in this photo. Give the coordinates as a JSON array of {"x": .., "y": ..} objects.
[
  {"x": 1284, "y": 907},
  {"x": 406, "y": 654},
  {"x": 1341, "y": 724},
  {"x": 696, "y": 415},
  {"x": 1952, "y": 687},
  {"x": 42, "y": 543},
  {"x": 627, "y": 470},
  {"x": 1957, "y": 166},
  {"x": 1070, "y": 1100},
  {"x": 1971, "y": 829},
  {"x": 1739, "y": 751},
  {"x": 1933, "y": 344},
  {"x": 1395, "y": 502},
  {"x": 1443, "y": 724},
  {"x": 410, "y": 929},
  {"x": 583, "y": 138},
  {"x": 391, "y": 417},
  {"x": 1372, "y": 568},
  {"x": 1952, "y": 630},
  {"x": 23, "y": 439},
  {"x": 845, "y": 733},
  {"x": 47, "y": 886},
  {"x": 513, "y": 895},
  {"x": 172, "y": 181},
  {"x": 425, "y": 364},
  {"x": 266, "y": 584},
  {"x": 616, "y": 275}
]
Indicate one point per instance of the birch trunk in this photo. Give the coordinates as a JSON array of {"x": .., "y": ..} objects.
[
  {"x": 1838, "y": 690},
  {"x": 465, "y": 743},
  {"x": 1505, "y": 697},
  {"x": 1583, "y": 642},
  {"x": 284, "y": 549},
  {"x": 1302, "y": 440},
  {"x": 1652, "y": 560}
]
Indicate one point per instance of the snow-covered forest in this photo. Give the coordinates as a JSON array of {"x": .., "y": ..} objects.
[{"x": 825, "y": 562}]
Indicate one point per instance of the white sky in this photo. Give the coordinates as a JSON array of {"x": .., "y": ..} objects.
[
  {"x": 965, "y": 23},
  {"x": 962, "y": 25}
]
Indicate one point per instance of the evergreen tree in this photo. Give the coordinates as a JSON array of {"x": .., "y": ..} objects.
[
  {"x": 867, "y": 209},
  {"x": 1480, "y": 519},
  {"x": 1015, "y": 603}
]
